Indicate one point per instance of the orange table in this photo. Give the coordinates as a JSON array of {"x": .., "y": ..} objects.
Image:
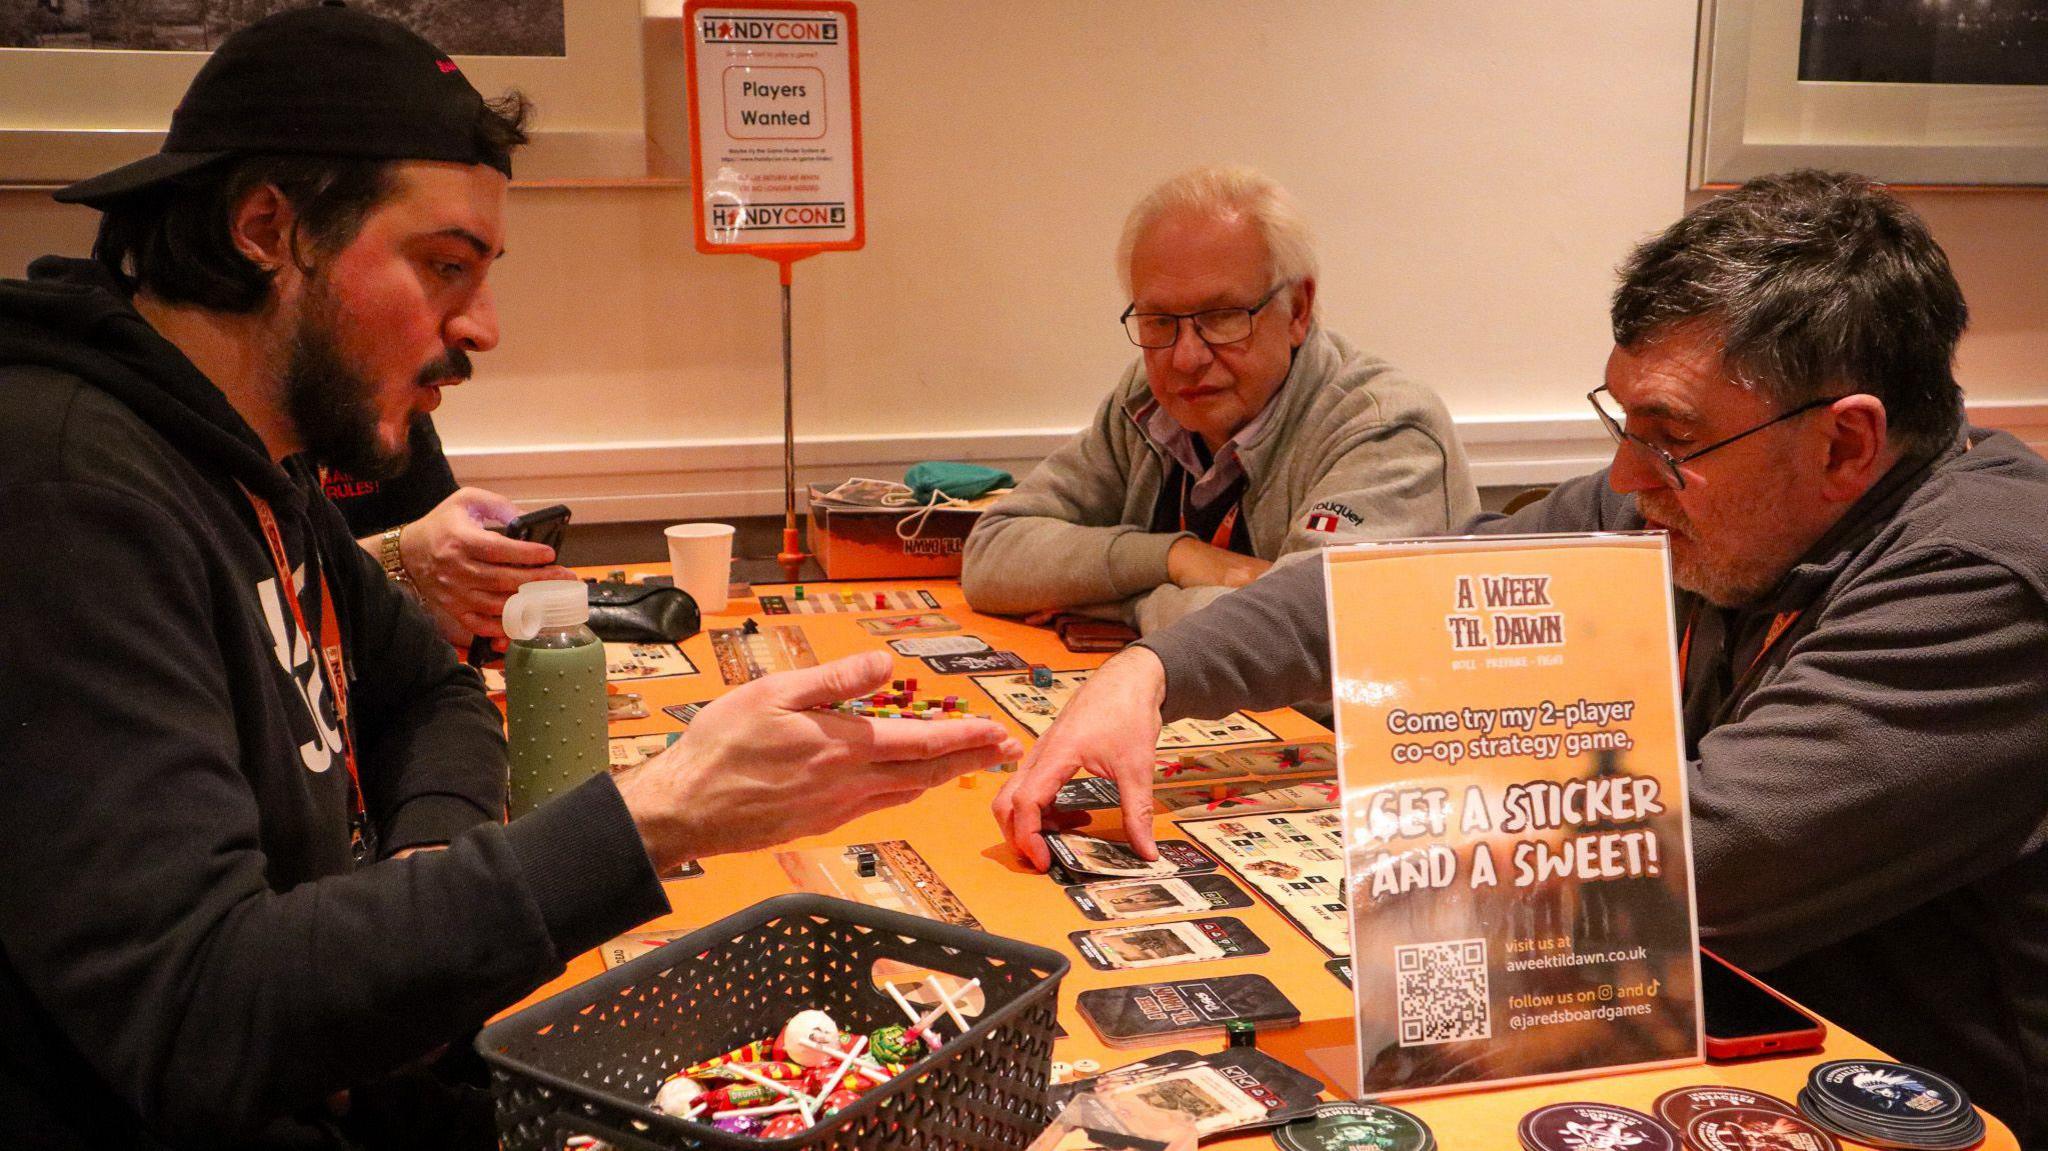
[{"x": 951, "y": 826}]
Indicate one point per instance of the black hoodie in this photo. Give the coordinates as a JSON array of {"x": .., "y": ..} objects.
[{"x": 189, "y": 951}]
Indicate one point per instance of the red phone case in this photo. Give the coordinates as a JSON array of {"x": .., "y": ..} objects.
[{"x": 1767, "y": 1043}]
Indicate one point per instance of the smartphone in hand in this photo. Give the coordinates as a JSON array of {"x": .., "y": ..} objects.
[{"x": 542, "y": 526}]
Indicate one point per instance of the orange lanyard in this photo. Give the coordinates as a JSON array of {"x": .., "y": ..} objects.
[
  {"x": 1219, "y": 538},
  {"x": 332, "y": 662},
  {"x": 1780, "y": 624}
]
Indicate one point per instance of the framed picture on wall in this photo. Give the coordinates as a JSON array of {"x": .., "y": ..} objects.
[
  {"x": 80, "y": 100},
  {"x": 1904, "y": 91}
]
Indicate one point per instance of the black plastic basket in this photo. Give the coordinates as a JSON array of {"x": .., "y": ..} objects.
[{"x": 588, "y": 1061}]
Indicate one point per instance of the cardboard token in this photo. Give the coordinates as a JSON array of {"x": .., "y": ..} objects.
[
  {"x": 1348, "y": 1126},
  {"x": 1755, "y": 1129},
  {"x": 1578, "y": 1126},
  {"x": 1678, "y": 1107}
]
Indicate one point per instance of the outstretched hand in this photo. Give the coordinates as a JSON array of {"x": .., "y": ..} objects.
[
  {"x": 761, "y": 765},
  {"x": 1109, "y": 728}
]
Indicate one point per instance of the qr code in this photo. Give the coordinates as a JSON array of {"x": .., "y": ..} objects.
[{"x": 1440, "y": 992}]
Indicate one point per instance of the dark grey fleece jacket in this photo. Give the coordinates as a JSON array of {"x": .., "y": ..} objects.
[{"x": 1870, "y": 800}]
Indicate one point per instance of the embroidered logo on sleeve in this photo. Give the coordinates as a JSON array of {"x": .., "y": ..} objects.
[{"x": 1330, "y": 517}]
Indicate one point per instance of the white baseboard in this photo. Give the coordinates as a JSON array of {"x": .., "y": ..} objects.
[{"x": 701, "y": 479}]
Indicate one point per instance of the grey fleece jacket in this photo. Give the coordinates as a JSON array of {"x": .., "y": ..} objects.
[
  {"x": 1870, "y": 801},
  {"x": 1348, "y": 436}
]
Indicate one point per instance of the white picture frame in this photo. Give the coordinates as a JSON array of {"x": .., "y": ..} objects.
[
  {"x": 67, "y": 114},
  {"x": 1753, "y": 115}
]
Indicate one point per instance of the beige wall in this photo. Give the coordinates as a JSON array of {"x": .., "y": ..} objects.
[{"x": 1474, "y": 170}]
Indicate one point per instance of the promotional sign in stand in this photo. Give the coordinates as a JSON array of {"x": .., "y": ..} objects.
[
  {"x": 1510, "y": 746},
  {"x": 775, "y": 153}
]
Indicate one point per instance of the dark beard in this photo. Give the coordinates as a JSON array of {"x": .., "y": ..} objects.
[{"x": 331, "y": 406}]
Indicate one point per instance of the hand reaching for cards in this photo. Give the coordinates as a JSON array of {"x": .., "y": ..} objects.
[
  {"x": 1109, "y": 728},
  {"x": 463, "y": 571},
  {"x": 758, "y": 766}
]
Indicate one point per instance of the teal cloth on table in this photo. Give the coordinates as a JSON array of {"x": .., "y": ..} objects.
[{"x": 954, "y": 480}]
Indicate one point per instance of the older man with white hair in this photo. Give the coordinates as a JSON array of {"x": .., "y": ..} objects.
[{"x": 1245, "y": 434}]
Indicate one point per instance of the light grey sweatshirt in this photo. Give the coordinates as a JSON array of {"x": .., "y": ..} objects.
[{"x": 1351, "y": 450}]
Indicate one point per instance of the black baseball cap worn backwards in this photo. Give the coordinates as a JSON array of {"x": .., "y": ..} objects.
[{"x": 319, "y": 81}]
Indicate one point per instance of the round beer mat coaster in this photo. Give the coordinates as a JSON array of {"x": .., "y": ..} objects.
[
  {"x": 1888, "y": 1094},
  {"x": 1677, "y": 1107},
  {"x": 1578, "y": 1126},
  {"x": 1965, "y": 1132},
  {"x": 1349, "y": 1126},
  {"x": 1748, "y": 1128}
]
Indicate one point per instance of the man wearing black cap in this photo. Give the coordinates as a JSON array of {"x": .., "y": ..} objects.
[{"x": 223, "y": 734}]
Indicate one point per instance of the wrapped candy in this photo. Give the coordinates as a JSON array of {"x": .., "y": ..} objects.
[
  {"x": 840, "y": 1100},
  {"x": 856, "y": 1080},
  {"x": 759, "y": 1051},
  {"x": 741, "y": 1124},
  {"x": 888, "y": 1045},
  {"x": 738, "y": 1095},
  {"x": 783, "y": 1126},
  {"x": 676, "y": 1094},
  {"x": 782, "y": 1072}
]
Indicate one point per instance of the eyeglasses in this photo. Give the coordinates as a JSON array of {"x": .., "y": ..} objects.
[
  {"x": 1215, "y": 326},
  {"x": 1611, "y": 415}
]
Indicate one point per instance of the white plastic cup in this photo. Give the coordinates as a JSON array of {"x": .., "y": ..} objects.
[{"x": 700, "y": 558}]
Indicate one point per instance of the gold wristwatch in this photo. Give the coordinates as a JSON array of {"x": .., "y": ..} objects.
[{"x": 392, "y": 559}]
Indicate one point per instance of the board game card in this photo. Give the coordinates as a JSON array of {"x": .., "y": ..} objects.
[
  {"x": 925, "y": 646},
  {"x": 1341, "y": 968},
  {"x": 1149, "y": 898},
  {"x": 632, "y": 750},
  {"x": 685, "y": 712},
  {"x": 625, "y": 661},
  {"x": 1285, "y": 759},
  {"x": 1199, "y": 1092},
  {"x": 1088, "y": 793},
  {"x": 1085, "y": 857},
  {"x": 635, "y": 944},
  {"x": 624, "y": 705},
  {"x": 1248, "y": 795},
  {"x": 972, "y": 662},
  {"x": 910, "y": 624},
  {"x": 1152, "y": 1013},
  {"x": 1161, "y": 944},
  {"x": 1282, "y": 1093}
]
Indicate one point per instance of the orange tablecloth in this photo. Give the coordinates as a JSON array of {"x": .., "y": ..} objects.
[{"x": 951, "y": 826}]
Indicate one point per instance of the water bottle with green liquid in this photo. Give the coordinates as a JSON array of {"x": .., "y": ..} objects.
[{"x": 554, "y": 692}]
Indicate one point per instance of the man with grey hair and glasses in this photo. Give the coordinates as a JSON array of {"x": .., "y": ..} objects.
[
  {"x": 1863, "y": 615},
  {"x": 1245, "y": 433}
]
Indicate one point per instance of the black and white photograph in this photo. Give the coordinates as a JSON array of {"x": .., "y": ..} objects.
[
  {"x": 1923, "y": 42},
  {"x": 459, "y": 27}
]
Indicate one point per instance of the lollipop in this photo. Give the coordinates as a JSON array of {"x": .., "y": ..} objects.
[{"x": 677, "y": 1094}]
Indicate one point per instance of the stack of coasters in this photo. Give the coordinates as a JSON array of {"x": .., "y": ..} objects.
[
  {"x": 1576, "y": 1126},
  {"x": 1891, "y": 1105},
  {"x": 1348, "y": 1126}
]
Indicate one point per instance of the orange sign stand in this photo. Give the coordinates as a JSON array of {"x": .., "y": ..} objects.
[{"x": 775, "y": 153}]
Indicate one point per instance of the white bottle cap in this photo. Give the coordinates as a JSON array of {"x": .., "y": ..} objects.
[{"x": 546, "y": 603}]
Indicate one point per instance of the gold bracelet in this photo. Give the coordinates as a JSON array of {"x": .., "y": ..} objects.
[{"x": 393, "y": 559}]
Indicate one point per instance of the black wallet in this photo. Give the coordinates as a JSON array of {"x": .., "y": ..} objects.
[{"x": 642, "y": 613}]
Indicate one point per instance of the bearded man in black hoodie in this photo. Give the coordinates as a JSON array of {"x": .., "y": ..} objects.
[{"x": 224, "y": 737}]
